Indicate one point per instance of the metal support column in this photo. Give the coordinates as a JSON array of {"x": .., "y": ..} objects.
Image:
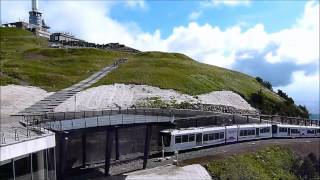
[
  {"x": 84, "y": 149},
  {"x": 31, "y": 166},
  {"x": 47, "y": 164},
  {"x": 55, "y": 163},
  {"x": 63, "y": 156},
  {"x": 13, "y": 170},
  {"x": 117, "y": 144},
  {"x": 147, "y": 146},
  {"x": 108, "y": 151}
]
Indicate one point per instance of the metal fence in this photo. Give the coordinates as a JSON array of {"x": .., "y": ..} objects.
[
  {"x": 184, "y": 117},
  {"x": 14, "y": 134}
]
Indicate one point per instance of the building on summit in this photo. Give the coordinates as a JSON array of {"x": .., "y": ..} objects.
[
  {"x": 38, "y": 26},
  {"x": 36, "y": 23},
  {"x": 64, "y": 37}
]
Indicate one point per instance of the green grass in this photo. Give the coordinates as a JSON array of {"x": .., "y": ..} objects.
[
  {"x": 270, "y": 163},
  {"x": 179, "y": 72},
  {"x": 26, "y": 59}
]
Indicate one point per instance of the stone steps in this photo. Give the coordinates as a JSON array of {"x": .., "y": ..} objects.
[{"x": 49, "y": 103}]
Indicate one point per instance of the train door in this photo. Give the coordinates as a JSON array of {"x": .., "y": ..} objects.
[
  {"x": 289, "y": 131},
  {"x": 274, "y": 129},
  {"x": 257, "y": 131},
  {"x": 199, "y": 139}
]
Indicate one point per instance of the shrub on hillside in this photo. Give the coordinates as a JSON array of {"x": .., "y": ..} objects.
[
  {"x": 270, "y": 163},
  {"x": 266, "y": 84},
  {"x": 308, "y": 168},
  {"x": 267, "y": 106}
]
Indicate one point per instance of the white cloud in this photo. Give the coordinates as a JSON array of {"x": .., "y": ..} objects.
[
  {"x": 299, "y": 43},
  {"x": 214, "y": 46},
  {"x": 195, "y": 15},
  {"x": 12, "y": 11},
  {"x": 90, "y": 20},
  {"x": 216, "y": 3},
  {"x": 305, "y": 89},
  {"x": 136, "y": 4}
]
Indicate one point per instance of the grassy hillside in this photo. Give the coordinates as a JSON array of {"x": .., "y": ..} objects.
[
  {"x": 270, "y": 163},
  {"x": 179, "y": 72},
  {"x": 27, "y": 60}
]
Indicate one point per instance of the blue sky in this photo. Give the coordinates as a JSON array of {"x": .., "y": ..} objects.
[
  {"x": 158, "y": 15},
  {"x": 276, "y": 40}
]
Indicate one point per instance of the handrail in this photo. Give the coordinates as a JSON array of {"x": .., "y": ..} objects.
[{"x": 59, "y": 120}]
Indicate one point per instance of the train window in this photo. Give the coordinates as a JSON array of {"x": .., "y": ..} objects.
[
  {"x": 310, "y": 131},
  {"x": 178, "y": 139},
  {"x": 295, "y": 131},
  {"x": 318, "y": 130},
  {"x": 222, "y": 135},
  {"x": 166, "y": 139},
  {"x": 283, "y": 129},
  {"x": 185, "y": 138},
  {"x": 264, "y": 130},
  {"x": 216, "y": 135},
  {"x": 205, "y": 137},
  {"x": 245, "y": 133},
  {"x": 211, "y": 137},
  {"x": 249, "y": 132},
  {"x": 191, "y": 137},
  {"x": 242, "y": 132},
  {"x": 274, "y": 129},
  {"x": 253, "y": 132}
]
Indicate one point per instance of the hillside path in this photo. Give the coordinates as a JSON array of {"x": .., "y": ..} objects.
[{"x": 49, "y": 103}]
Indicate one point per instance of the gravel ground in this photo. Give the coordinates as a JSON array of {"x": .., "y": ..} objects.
[
  {"x": 113, "y": 96},
  {"x": 15, "y": 98},
  {"x": 171, "y": 172}
]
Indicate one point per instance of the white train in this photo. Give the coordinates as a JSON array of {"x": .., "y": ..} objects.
[
  {"x": 189, "y": 138},
  {"x": 287, "y": 131}
]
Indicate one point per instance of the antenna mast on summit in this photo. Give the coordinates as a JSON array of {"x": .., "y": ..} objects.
[{"x": 34, "y": 5}]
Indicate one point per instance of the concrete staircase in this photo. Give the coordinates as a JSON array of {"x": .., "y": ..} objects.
[{"x": 49, "y": 103}]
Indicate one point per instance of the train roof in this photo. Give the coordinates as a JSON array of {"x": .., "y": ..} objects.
[
  {"x": 254, "y": 125},
  {"x": 210, "y": 128},
  {"x": 249, "y": 125},
  {"x": 298, "y": 126},
  {"x": 192, "y": 130}
]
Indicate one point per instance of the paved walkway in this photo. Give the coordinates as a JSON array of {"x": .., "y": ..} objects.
[{"x": 49, "y": 103}]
